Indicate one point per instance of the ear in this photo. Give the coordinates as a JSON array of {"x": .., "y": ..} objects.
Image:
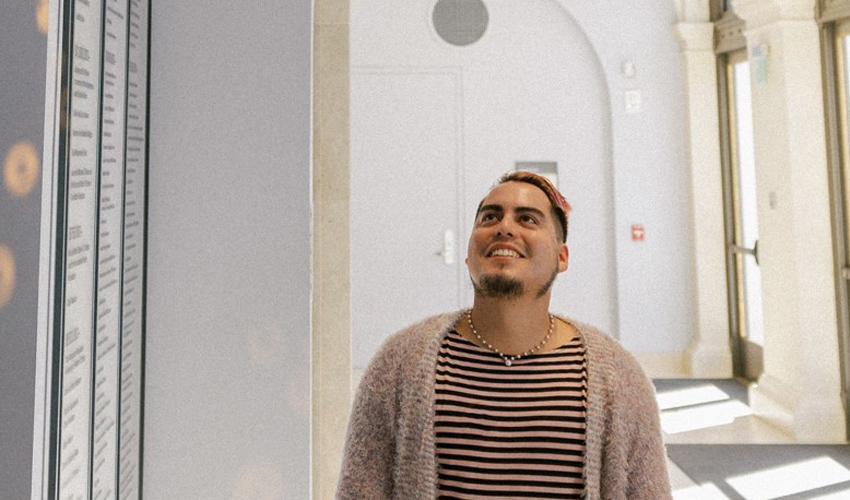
[{"x": 563, "y": 258}]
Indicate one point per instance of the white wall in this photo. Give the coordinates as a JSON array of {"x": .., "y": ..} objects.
[
  {"x": 544, "y": 83},
  {"x": 227, "y": 397},
  {"x": 650, "y": 176}
]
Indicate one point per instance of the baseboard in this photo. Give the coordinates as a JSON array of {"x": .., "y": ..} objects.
[
  {"x": 774, "y": 402},
  {"x": 708, "y": 361},
  {"x": 663, "y": 364},
  {"x": 810, "y": 417}
]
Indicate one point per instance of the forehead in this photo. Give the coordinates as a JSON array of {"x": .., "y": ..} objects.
[{"x": 512, "y": 193}]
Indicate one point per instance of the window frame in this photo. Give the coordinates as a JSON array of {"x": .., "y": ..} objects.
[{"x": 834, "y": 20}]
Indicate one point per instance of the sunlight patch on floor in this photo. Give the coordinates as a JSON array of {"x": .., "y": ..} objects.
[
  {"x": 704, "y": 416},
  {"x": 778, "y": 482},
  {"x": 702, "y": 394},
  {"x": 844, "y": 494},
  {"x": 704, "y": 491}
]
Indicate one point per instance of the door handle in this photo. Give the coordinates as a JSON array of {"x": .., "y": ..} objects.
[
  {"x": 749, "y": 251},
  {"x": 448, "y": 252}
]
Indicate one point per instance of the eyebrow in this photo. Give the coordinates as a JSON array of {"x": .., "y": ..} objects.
[{"x": 499, "y": 208}]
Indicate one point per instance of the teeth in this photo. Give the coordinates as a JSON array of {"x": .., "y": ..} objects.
[{"x": 504, "y": 252}]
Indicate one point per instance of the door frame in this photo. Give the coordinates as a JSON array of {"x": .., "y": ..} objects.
[
  {"x": 838, "y": 156},
  {"x": 747, "y": 356}
]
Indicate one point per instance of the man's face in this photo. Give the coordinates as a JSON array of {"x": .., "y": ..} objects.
[{"x": 514, "y": 248}]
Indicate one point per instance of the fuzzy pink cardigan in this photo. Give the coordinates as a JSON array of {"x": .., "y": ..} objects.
[{"x": 389, "y": 449}]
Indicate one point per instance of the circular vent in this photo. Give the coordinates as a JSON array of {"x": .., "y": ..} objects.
[{"x": 460, "y": 22}]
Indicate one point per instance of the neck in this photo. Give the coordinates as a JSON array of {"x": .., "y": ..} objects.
[{"x": 513, "y": 326}]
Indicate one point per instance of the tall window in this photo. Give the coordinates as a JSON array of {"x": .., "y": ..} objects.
[
  {"x": 842, "y": 91},
  {"x": 836, "y": 48},
  {"x": 739, "y": 178},
  {"x": 744, "y": 244}
]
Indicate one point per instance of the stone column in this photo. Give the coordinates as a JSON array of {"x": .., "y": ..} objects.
[
  {"x": 800, "y": 387},
  {"x": 709, "y": 354},
  {"x": 331, "y": 284}
]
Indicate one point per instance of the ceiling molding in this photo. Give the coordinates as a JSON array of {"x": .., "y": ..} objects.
[{"x": 760, "y": 13}]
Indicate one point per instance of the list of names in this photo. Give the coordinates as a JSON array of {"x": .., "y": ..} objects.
[
  {"x": 81, "y": 240},
  {"x": 99, "y": 417},
  {"x": 134, "y": 252},
  {"x": 109, "y": 268}
]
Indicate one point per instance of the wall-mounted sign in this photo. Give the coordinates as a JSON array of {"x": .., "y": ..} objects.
[
  {"x": 638, "y": 233},
  {"x": 759, "y": 55}
]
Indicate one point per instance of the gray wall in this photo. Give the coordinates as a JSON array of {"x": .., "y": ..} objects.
[
  {"x": 227, "y": 397},
  {"x": 22, "y": 68}
]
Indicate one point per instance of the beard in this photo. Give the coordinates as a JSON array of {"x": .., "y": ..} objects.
[
  {"x": 545, "y": 288},
  {"x": 496, "y": 286}
]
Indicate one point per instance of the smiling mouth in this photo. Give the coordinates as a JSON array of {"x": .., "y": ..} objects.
[{"x": 504, "y": 252}]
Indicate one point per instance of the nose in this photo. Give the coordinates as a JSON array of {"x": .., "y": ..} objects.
[{"x": 505, "y": 227}]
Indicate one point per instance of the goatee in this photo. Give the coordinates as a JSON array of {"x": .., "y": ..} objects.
[{"x": 496, "y": 286}]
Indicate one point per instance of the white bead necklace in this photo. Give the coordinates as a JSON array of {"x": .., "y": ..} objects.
[{"x": 510, "y": 359}]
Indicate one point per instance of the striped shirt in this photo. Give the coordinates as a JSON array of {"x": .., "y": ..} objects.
[{"x": 515, "y": 431}]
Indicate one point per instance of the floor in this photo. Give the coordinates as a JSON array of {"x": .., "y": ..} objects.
[{"x": 716, "y": 412}]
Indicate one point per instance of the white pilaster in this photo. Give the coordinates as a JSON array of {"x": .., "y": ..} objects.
[
  {"x": 331, "y": 318},
  {"x": 692, "y": 11},
  {"x": 800, "y": 388},
  {"x": 709, "y": 354}
]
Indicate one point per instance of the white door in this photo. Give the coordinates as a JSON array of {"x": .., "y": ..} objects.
[{"x": 405, "y": 250}]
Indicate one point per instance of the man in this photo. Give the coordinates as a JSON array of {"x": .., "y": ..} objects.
[{"x": 506, "y": 400}]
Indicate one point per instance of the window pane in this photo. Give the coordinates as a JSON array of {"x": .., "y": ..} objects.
[
  {"x": 748, "y": 208},
  {"x": 845, "y": 77},
  {"x": 746, "y": 155}
]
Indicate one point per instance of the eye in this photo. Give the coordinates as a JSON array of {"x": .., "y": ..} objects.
[
  {"x": 528, "y": 219},
  {"x": 488, "y": 217}
]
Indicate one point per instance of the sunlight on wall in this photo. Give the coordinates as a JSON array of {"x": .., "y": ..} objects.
[
  {"x": 41, "y": 16},
  {"x": 21, "y": 169},
  {"x": 789, "y": 479},
  {"x": 7, "y": 275}
]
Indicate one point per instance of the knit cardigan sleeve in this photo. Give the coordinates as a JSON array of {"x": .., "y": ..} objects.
[
  {"x": 635, "y": 464},
  {"x": 389, "y": 449},
  {"x": 370, "y": 441}
]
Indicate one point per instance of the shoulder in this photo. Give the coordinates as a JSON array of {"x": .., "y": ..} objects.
[
  {"x": 611, "y": 359},
  {"x": 403, "y": 348},
  {"x": 417, "y": 336}
]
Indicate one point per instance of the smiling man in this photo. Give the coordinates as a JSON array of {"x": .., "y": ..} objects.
[{"x": 505, "y": 399}]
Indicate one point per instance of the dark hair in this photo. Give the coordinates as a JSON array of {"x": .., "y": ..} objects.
[{"x": 560, "y": 207}]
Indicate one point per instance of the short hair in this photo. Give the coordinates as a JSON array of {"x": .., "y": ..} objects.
[{"x": 559, "y": 205}]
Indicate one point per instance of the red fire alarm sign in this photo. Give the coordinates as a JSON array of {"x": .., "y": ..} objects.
[{"x": 637, "y": 232}]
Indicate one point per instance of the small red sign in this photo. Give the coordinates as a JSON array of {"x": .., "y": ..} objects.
[{"x": 637, "y": 232}]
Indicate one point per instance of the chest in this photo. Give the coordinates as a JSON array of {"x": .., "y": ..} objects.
[{"x": 508, "y": 429}]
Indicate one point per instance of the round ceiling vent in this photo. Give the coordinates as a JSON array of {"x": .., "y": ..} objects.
[{"x": 460, "y": 22}]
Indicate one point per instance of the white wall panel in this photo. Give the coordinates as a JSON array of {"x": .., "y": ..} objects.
[{"x": 228, "y": 330}]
